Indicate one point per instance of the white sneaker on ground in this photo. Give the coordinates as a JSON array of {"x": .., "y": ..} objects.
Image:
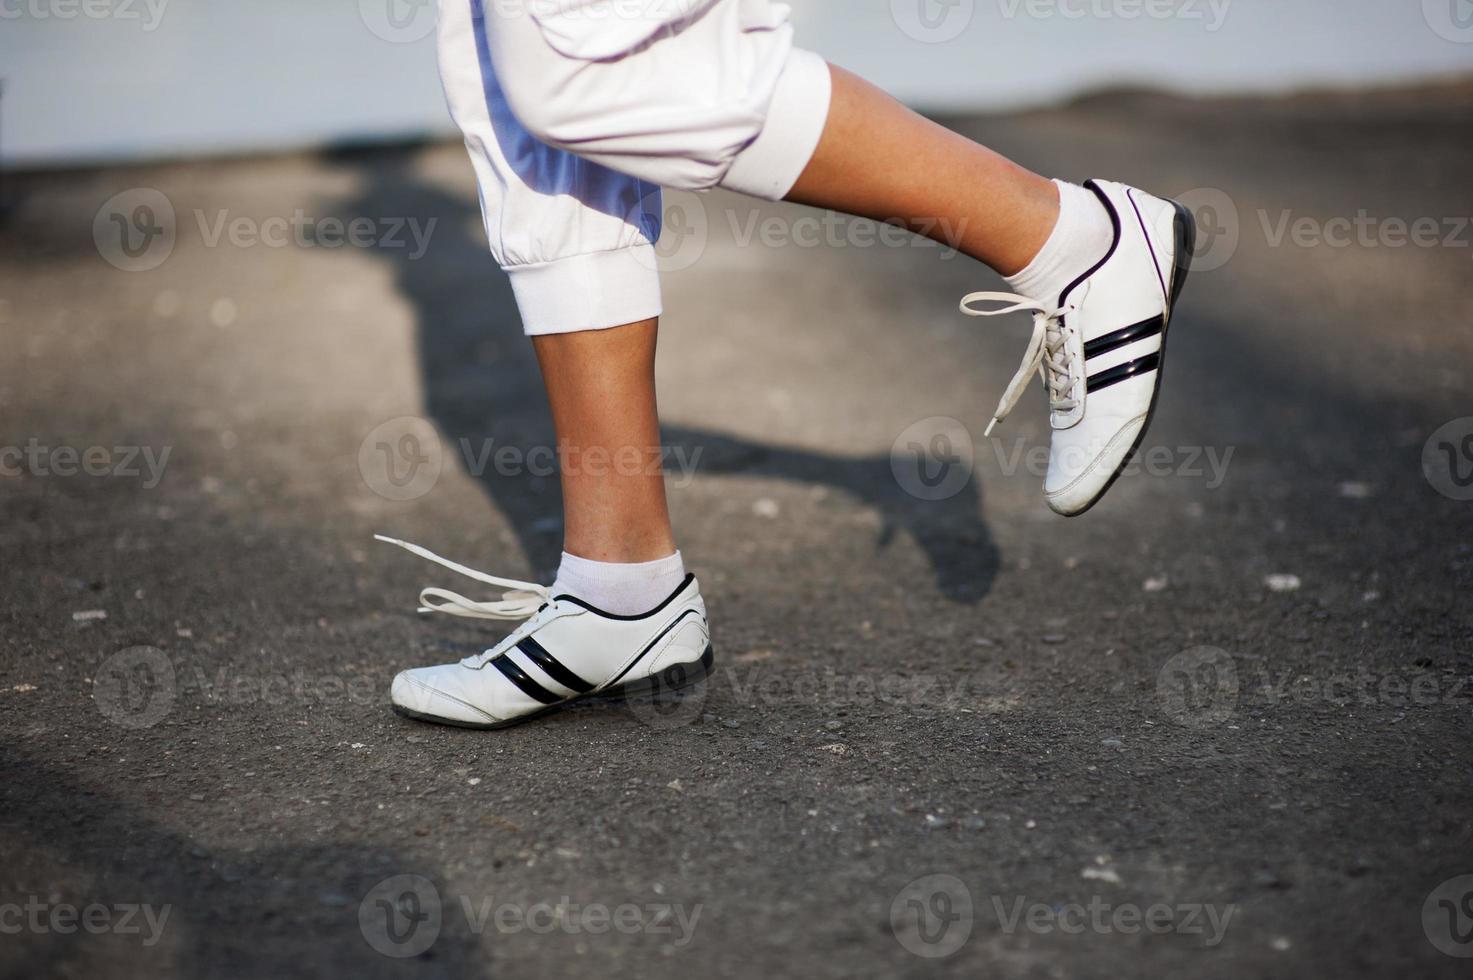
[
  {"x": 1101, "y": 348},
  {"x": 566, "y": 651}
]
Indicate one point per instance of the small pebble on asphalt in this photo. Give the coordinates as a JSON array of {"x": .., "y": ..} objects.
[
  {"x": 1282, "y": 583},
  {"x": 1108, "y": 875}
]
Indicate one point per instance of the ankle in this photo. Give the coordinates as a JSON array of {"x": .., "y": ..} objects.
[
  {"x": 1080, "y": 237},
  {"x": 1037, "y": 212},
  {"x": 620, "y": 550},
  {"x": 621, "y": 588}
]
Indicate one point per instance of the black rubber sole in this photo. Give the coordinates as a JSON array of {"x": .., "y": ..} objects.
[
  {"x": 672, "y": 678},
  {"x": 1185, "y": 228}
]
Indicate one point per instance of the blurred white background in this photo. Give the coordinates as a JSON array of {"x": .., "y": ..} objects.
[{"x": 92, "y": 80}]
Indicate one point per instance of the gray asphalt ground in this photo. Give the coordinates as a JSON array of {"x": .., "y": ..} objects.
[{"x": 1133, "y": 745}]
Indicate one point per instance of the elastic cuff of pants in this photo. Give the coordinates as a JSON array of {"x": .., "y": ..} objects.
[
  {"x": 771, "y": 164},
  {"x": 593, "y": 291}
]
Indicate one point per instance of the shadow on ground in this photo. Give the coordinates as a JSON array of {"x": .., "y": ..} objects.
[
  {"x": 223, "y": 911},
  {"x": 482, "y": 387}
]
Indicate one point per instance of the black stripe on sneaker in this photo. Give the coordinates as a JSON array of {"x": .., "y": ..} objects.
[
  {"x": 1146, "y": 234},
  {"x": 550, "y": 666},
  {"x": 1117, "y": 339},
  {"x": 1116, "y": 231},
  {"x": 1123, "y": 372},
  {"x": 519, "y": 677},
  {"x": 565, "y": 597}
]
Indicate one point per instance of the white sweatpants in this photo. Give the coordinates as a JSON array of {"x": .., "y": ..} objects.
[{"x": 592, "y": 106}]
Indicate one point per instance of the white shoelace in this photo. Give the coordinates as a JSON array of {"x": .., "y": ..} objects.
[
  {"x": 520, "y": 600},
  {"x": 1048, "y": 353}
]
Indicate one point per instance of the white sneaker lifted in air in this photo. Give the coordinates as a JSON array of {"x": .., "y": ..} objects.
[
  {"x": 566, "y": 651},
  {"x": 1101, "y": 349}
]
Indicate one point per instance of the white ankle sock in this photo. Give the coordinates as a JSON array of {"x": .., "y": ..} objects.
[
  {"x": 1081, "y": 238},
  {"x": 622, "y": 589}
]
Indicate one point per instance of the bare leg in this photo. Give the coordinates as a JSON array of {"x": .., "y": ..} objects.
[
  {"x": 880, "y": 160},
  {"x": 877, "y": 159},
  {"x": 601, "y": 385}
]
